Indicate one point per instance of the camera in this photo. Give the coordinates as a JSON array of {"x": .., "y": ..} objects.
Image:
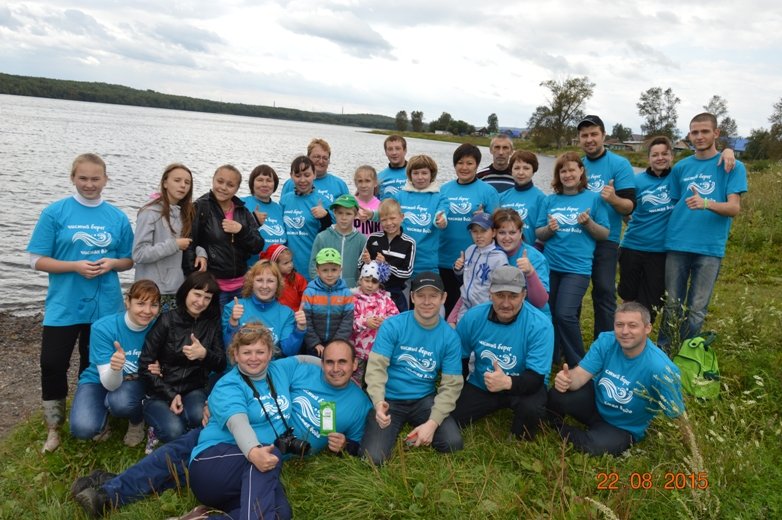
[{"x": 287, "y": 443}]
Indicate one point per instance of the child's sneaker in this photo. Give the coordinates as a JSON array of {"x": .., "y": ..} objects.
[
  {"x": 134, "y": 435},
  {"x": 152, "y": 441}
]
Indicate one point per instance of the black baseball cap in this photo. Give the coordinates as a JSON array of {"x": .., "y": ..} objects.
[
  {"x": 427, "y": 279},
  {"x": 591, "y": 120}
]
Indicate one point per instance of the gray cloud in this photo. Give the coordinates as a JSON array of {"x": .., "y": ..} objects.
[
  {"x": 342, "y": 28},
  {"x": 186, "y": 36},
  {"x": 7, "y": 19},
  {"x": 78, "y": 22},
  {"x": 648, "y": 54}
]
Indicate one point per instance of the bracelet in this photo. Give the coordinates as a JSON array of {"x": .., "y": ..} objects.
[{"x": 705, "y": 203}]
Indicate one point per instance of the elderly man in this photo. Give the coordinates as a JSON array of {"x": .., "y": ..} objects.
[
  {"x": 498, "y": 173},
  {"x": 618, "y": 388},
  {"x": 312, "y": 390},
  {"x": 512, "y": 344}
]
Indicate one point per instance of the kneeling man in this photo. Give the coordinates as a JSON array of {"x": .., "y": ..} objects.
[
  {"x": 512, "y": 344},
  {"x": 618, "y": 388}
]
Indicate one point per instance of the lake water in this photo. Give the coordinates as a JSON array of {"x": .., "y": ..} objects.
[{"x": 39, "y": 138}]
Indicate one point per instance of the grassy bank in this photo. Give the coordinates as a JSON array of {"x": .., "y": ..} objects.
[{"x": 733, "y": 443}]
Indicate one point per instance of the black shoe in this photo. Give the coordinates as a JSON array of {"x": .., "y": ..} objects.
[
  {"x": 95, "y": 502},
  {"x": 94, "y": 480}
]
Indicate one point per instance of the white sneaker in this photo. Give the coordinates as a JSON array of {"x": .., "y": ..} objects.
[
  {"x": 103, "y": 436},
  {"x": 134, "y": 435},
  {"x": 52, "y": 441}
]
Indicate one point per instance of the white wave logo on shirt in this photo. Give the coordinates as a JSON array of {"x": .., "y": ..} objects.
[
  {"x": 418, "y": 219},
  {"x": 656, "y": 197},
  {"x": 326, "y": 194},
  {"x": 620, "y": 395},
  {"x": 522, "y": 211},
  {"x": 271, "y": 408},
  {"x": 505, "y": 361},
  {"x": 566, "y": 219},
  {"x": 596, "y": 185},
  {"x": 307, "y": 411},
  {"x": 461, "y": 208},
  {"x": 428, "y": 365},
  {"x": 294, "y": 222},
  {"x": 97, "y": 240},
  {"x": 274, "y": 229},
  {"x": 703, "y": 188},
  {"x": 391, "y": 190}
]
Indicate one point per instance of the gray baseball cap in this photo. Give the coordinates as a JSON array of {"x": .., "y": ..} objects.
[{"x": 507, "y": 278}]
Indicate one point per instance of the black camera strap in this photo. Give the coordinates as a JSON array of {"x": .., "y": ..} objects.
[{"x": 257, "y": 396}]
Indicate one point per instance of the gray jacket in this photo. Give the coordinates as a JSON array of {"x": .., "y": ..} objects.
[{"x": 155, "y": 251}]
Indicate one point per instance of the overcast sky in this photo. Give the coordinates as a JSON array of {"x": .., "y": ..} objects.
[{"x": 466, "y": 58}]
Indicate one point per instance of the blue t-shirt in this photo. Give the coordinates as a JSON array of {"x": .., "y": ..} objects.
[
  {"x": 463, "y": 201},
  {"x": 391, "y": 181},
  {"x": 416, "y": 355},
  {"x": 309, "y": 388},
  {"x": 527, "y": 203},
  {"x": 420, "y": 211},
  {"x": 329, "y": 188},
  {"x": 103, "y": 334},
  {"x": 540, "y": 264},
  {"x": 231, "y": 395},
  {"x": 273, "y": 229},
  {"x": 276, "y": 317},
  {"x": 608, "y": 167},
  {"x": 571, "y": 248},
  {"x": 702, "y": 231},
  {"x": 70, "y": 231},
  {"x": 527, "y": 343},
  {"x": 301, "y": 227},
  {"x": 648, "y": 224},
  {"x": 629, "y": 392}
]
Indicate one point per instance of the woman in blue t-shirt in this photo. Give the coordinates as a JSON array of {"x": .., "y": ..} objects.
[
  {"x": 82, "y": 242},
  {"x": 570, "y": 221},
  {"x": 263, "y": 183},
  {"x": 110, "y": 385}
]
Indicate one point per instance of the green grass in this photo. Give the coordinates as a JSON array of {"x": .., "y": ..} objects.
[{"x": 734, "y": 440}]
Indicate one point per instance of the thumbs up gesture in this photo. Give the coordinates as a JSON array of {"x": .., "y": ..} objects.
[
  {"x": 562, "y": 380},
  {"x": 365, "y": 214},
  {"x": 318, "y": 211},
  {"x": 300, "y": 318},
  {"x": 479, "y": 210},
  {"x": 118, "y": 358},
  {"x": 553, "y": 224},
  {"x": 458, "y": 265},
  {"x": 236, "y": 313},
  {"x": 195, "y": 350},
  {"x": 440, "y": 220},
  {"x": 608, "y": 192},
  {"x": 524, "y": 264},
  {"x": 695, "y": 201},
  {"x": 260, "y": 217},
  {"x": 584, "y": 218},
  {"x": 365, "y": 258},
  {"x": 497, "y": 380}
]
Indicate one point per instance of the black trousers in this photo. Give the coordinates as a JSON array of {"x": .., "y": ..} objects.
[
  {"x": 528, "y": 409},
  {"x": 56, "y": 349}
]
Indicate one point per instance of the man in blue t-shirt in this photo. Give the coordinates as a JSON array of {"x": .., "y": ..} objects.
[
  {"x": 611, "y": 176},
  {"x": 511, "y": 345},
  {"x": 410, "y": 351},
  {"x": 618, "y": 388},
  {"x": 708, "y": 199},
  {"x": 165, "y": 468},
  {"x": 392, "y": 179}
]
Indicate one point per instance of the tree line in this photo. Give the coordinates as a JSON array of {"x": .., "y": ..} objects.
[{"x": 122, "y": 95}]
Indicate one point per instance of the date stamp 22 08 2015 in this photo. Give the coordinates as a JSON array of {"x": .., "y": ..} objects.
[{"x": 671, "y": 480}]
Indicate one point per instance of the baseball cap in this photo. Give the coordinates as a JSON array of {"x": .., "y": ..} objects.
[
  {"x": 427, "y": 279},
  {"x": 591, "y": 120},
  {"x": 345, "y": 200},
  {"x": 482, "y": 219},
  {"x": 507, "y": 278},
  {"x": 328, "y": 255}
]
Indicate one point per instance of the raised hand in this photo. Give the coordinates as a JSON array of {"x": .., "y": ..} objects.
[
  {"x": 365, "y": 214},
  {"x": 562, "y": 380},
  {"x": 263, "y": 458},
  {"x": 608, "y": 193},
  {"x": 524, "y": 264},
  {"x": 260, "y": 216},
  {"x": 584, "y": 218},
  {"x": 439, "y": 220},
  {"x": 695, "y": 201},
  {"x": 497, "y": 380},
  {"x": 195, "y": 350},
  {"x": 458, "y": 265},
  {"x": 301, "y": 318},
  {"x": 118, "y": 358},
  {"x": 237, "y": 312},
  {"x": 318, "y": 211},
  {"x": 382, "y": 416}
]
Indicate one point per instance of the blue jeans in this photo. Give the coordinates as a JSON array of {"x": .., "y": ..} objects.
[
  {"x": 227, "y": 296},
  {"x": 686, "y": 306},
  {"x": 378, "y": 443},
  {"x": 168, "y": 425},
  {"x": 223, "y": 478},
  {"x": 604, "y": 284},
  {"x": 165, "y": 468},
  {"x": 92, "y": 404},
  {"x": 566, "y": 292}
]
